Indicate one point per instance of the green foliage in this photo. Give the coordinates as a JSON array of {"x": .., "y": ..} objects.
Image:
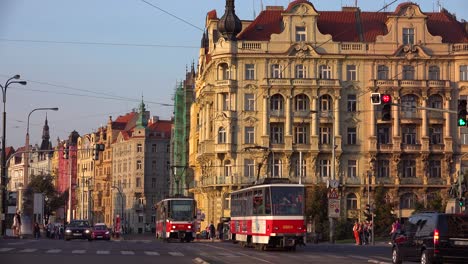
[
  {"x": 383, "y": 213},
  {"x": 344, "y": 229},
  {"x": 44, "y": 184},
  {"x": 316, "y": 208}
]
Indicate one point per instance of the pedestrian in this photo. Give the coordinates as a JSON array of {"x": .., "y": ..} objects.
[
  {"x": 220, "y": 231},
  {"x": 212, "y": 232},
  {"x": 394, "y": 230},
  {"x": 356, "y": 232},
  {"x": 16, "y": 224},
  {"x": 361, "y": 233},
  {"x": 37, "y": 231}
]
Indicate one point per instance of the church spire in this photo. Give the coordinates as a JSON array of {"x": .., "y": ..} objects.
[
  {"x": 142, "y": 119},
  {"x": 46, "y": 144}
]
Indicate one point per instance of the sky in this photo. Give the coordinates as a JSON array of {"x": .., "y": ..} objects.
[{"x": 98, "y": 58}]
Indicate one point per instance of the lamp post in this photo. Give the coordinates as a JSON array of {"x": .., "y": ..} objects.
[
  {"x": 21, "y": 207},
  {"x": 3, "y": 179},
  {"x": 121, "y": 204}
]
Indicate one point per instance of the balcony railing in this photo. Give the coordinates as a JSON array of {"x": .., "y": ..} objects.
[{"x": 411, "y": 180}]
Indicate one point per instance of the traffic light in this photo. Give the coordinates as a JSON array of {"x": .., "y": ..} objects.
[
  {"x": 461, "y": 121},
  {"x": 66, "y": 151},
  {"x": 375, "y": 98},
  {"x": 461, "y": 202},
  {"x": 367, "y": 213},
  {"x": 386, "y": 101},
  {"x": 96, "y": 150}
]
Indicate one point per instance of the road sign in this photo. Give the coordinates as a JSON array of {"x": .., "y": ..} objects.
[
  {"x": 334, "y": 208},
  {"x": 333, "y": 193}
]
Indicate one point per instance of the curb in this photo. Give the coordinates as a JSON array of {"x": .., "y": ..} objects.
[
  {"x": 377, "y": 261},
  {"x": 200, "y": 261}
]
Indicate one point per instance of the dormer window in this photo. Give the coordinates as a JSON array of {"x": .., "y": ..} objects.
[
  {"x": 300, "y": 34},
  {"x": 408, "y": 36}
]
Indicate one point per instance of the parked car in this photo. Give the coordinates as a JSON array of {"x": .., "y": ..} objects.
[
  {"x": 432, "y": 238},
  {"x": 100, "y": 231},
  {"x": 78, "y": 229}
]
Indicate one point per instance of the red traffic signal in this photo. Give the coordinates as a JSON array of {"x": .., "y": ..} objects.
[{"x": 385, "y": 98}]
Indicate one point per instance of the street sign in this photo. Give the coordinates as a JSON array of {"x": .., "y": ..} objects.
[
  {"x": 334, "y": 208},
  {"x": 333, "y": 193}
]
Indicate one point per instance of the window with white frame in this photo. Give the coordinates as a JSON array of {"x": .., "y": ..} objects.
[
  {"x": 324, "y": 72},
  {"x": 409, "y": 135},
  {"x": 226, "y": 101},
  {"x": 409, "y": 168},
  {"x": 276, "y": 133},
  {"x": 227, "y": 168},
  {"x": 276, "y": 71},
  {"x": 408, "y": 201},
  {"x": 325, "y": 103},
  {"x": 351, "y": 202},
  {"x": 408, "y": 36},
  {"x": 382, "y": 72},
  {"x": 463, "y": 72},
  {"x": 301, "y": 102},
  {"x": 351, "y": 73},
  {"x": 325, "y": 167},
  {"x": 277, "y": 170},
  {"x": 352, "y": 168},
  {"x": 249, "y": 168},
  {"x": 351, "y": 103},
  {"x": 224, "y": 72},
  {"x": 249, "y": 135},
  {"x": 325, "y": 133},
  {"x": 138, "y": 165},
  {"x": 300, "y": 133},
  {"x": 300, "y": 34},
  {"x": 408, "y": 106},
  {"x": 435, "y": 169},
  {"x": 383, "y": 135},
  {"x": 139, "y": 148},
  {"x": 249, "y": 71},
  {"x": 408, "y": 72},
  {"x": 383, "y": 168},
  {"x": 301, "y": 71},
  {"x": 221, "y": 135},
  {"x": 434, "y": 73},
  {"x": 276, "y": 103},
  {"x": 298, "y": 168},
  {"x": 352, "y": 136},
  {"x": 249, "y": 102},
  {"x": 435, "y": 134}
]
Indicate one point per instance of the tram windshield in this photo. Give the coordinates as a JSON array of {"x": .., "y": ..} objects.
[
  {"x": 287, "y": 200},
  {"x": 182, "y": 210}
]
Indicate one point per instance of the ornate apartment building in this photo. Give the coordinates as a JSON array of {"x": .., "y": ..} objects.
[{"x": 295, "y": 84}]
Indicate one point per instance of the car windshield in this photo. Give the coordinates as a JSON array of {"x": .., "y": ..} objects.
[
  {"x": 182, "y": 210},
  {"x": 100, "y": 227},
  {"x": 79, "y": 224}
]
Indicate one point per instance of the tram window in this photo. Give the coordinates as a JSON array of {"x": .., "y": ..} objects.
[
  {"x": 258, "y": 203},
  {"x": 287, "y": 200},
  {"x": 267, "y": 201}
]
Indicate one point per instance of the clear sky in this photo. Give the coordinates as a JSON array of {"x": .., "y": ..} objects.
[{"x": 97, "y": 58}]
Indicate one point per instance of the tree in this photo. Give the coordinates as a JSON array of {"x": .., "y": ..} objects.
[
  {"x": 317, "y": 206},
  {"x": 383, "y": 212},
  {"x": 44, "y": 184}
]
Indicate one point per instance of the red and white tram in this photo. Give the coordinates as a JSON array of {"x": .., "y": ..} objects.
[
  {"x": 268, "y": 216},
  {"x": 176, "y": 219}
]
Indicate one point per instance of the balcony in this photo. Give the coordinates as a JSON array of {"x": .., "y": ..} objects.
[
  {"x": 411, "y": 83},
  {"x": 222, "y": 148},
  {"x": 385, "y": 147},
  {"x": 460, "y": 48},
  {"x": 301, "y": 113},
  {"x": 438, "y": 84},
  {"x": 355, "y": 48},
  {"x": 279, "y": 81},
  {"x": 352, "y": 180},
  {"x": 138, "y": 207},
  {"x": 435, "y": 181},
  {"x": 437, "y": 148},
  {"x": 411, "y": 181},
  {"x": 384, "y": 83},
  {"x": 328, "y": 83},
  {"x": 246, "y": 46},
  {"x": 411, "y": 147},
  {"x": 277, "y": 113},
  {"x": 384, "y": 180},
  {"x": 304, "y": 82},
  {"x": 230, "y": 83},
  {"x": 206, "y": 146}
]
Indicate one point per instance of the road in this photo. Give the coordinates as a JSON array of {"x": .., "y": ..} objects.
[{"x": 148, "y": 250}]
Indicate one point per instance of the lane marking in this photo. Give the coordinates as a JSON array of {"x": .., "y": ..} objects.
[
  {"x": 28, "y": 250},
  {"x": 78, "y": 251},
  {"x": 5, "y": 249},
  {"x": 176, "y": 254},
  {"x": 151, "y": 253},
  {"x": 127, "y": 252},
  {"x": 238, "y": 253},
  {"x": 53, "y": 251},
  {"x": 102, "y": 252}
]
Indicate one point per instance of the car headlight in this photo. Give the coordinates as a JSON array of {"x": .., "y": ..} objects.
[
  {"x": 87, "y": 231},
  {"x": 107, "y": 232},
  {"x": 68, "y": 231}
]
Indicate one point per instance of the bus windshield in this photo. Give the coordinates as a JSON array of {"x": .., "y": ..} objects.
[
  {"x": 182, "y": 210},
  {"x": 287, "y": 200}
]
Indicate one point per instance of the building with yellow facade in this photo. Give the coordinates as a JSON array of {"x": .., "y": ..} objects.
[{"x": 294, "y": 82}]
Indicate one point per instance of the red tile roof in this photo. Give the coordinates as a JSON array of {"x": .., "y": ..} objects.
[
  {"x": 162, "y": 126},
  {"x": 127, "y": 117},
  {"x": 212, "y": 15},
  {"x": 343, "y": 25}
]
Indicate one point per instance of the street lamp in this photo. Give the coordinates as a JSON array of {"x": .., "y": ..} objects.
[
  {"x": 3, "y": 179},
  {"x": 26, "y": 168},
  {"x": 121, "y": 204}
]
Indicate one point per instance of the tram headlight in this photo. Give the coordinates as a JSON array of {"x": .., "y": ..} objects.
[
  {"x": 189, "y": 227},
  {"x": 173, "y": 227}
]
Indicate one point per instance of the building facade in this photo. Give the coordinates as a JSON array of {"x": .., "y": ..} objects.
[{"x": 293, "y": 87}]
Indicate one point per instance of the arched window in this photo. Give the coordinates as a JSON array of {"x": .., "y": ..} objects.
[
  {"x": 351, "y": 202},
  {"x": 276, "y": 103},
  {"x": 408, "y": 201},
  {"x": 301, "y": 102},
  {"x": 221, "y": 135}
]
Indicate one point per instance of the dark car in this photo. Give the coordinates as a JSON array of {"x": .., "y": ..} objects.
[
  {"x": 100, "y": 231},
  {"x": 432, "y": 238},
  {"x": 78, "y": 229}
]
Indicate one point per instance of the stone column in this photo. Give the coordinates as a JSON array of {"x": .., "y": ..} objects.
[
  {"x": 265, "y": 115},
  {"x": 288, "y": 115}
]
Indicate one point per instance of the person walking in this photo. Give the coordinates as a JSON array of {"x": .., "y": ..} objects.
[
  {"x": 17, "y": 224},
  {"x": 394, "y": 230},
  {"x": 212, "y": 232},
  {"x": 37, "y": 231}
]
